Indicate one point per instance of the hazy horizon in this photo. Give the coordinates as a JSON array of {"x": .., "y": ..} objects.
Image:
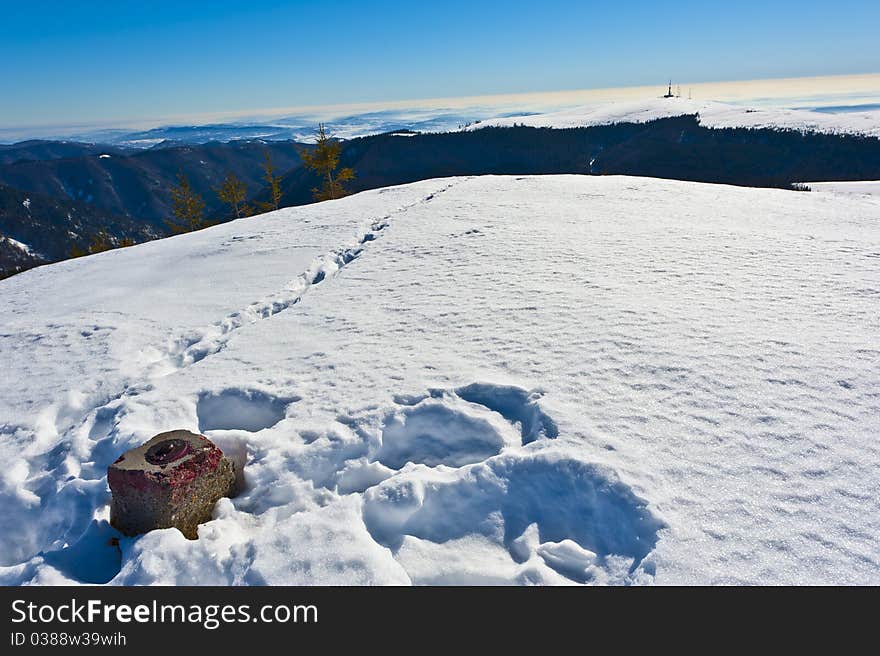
[
  {"x": 836, "y": 92},
  {"x": 103, "y": 61}
]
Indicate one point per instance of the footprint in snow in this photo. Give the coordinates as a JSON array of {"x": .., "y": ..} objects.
[
  {"x": 240, "y": 409},
  {"x": 545, "y": 510},
  {"x": 461, "y": 426}
]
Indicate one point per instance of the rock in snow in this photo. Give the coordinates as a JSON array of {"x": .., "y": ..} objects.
[
  {"x": 535, "y": 380},
  {"x": 173, "y": 480}
]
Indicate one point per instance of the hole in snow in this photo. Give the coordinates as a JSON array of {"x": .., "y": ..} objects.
[
  {"x": 516, "y": 405},
  {"x": 574, "y": 515},
  {"x": 432, "y": 433},
  {"x": 240, "y": 409},
  {"x": 94, "y": 558}
]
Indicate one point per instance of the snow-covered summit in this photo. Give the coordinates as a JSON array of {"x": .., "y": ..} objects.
[
  {"x": 711, "y": 114},
  {"x": 554, "y": 379}
]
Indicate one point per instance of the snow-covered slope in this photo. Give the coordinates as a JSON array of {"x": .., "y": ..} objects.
[
  {"x": 859, "y": 187},
  {"x": 711, "y": 114},
  {"x": 554, "y": 379}
]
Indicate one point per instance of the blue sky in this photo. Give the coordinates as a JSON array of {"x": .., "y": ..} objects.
[{"x": 98, "y": 61}]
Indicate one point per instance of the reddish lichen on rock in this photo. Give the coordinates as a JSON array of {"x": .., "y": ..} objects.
[{"x": 173, "y": 480}]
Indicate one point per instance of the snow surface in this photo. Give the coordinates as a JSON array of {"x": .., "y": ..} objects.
[
  {"x": 711, "y": 114},
  {"x": 862, "y": 187},
  {"x": 552, "y": 380},
  {"x": 18, "y": 244}
]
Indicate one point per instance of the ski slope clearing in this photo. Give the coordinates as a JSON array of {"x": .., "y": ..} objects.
[
  {"x": 711, "y": 115},
  {"x": 495, "y": 380}
]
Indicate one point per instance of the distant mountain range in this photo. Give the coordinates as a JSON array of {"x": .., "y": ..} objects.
[
  {"x": 56, "y": 196},
  {"x": 709, "y": 114},
  {"x": 36, "y": 229},
  {"x": 137, "y": 184},
  {"x": 40, "y": 149},
  {"x": 679, "y": 148},
  {"x": 293, "y": 128}
]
